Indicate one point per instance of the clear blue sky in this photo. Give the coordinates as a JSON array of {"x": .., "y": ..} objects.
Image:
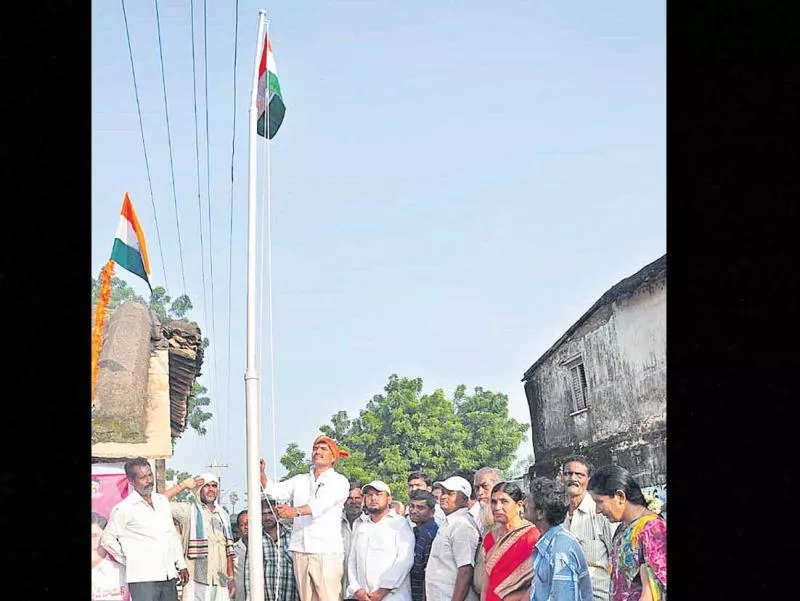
[{"x": 454, "y": 184}]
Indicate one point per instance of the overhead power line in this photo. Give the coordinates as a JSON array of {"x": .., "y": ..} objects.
[
  {"x": 197, "y": 167},
  {"x": 230, "y": 229},
  {"x": 144, "y": 148},
  {"x": 169, "y": 142}
]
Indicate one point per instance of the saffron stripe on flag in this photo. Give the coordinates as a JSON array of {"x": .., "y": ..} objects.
[{"x": 130, "y": 215}]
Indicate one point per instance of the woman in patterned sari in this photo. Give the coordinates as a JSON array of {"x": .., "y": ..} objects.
[
  {"x": 507, "y": 567},
  {"x": 639, "y": 546}
]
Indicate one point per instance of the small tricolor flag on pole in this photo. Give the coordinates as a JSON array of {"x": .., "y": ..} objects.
[
  {"x": 268, "y": 75},
  {"x": 130, "y": 250}
]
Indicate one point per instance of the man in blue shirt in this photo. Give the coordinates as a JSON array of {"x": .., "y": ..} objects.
[
  {"x": 559, "y": 563},
  {"x": 421, "y": 507}
]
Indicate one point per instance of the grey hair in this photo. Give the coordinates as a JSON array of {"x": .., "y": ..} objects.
[{"x": 488, "y": 470}]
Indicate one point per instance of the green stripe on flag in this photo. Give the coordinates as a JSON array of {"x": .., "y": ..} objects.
[
  {"x": 128, "y": 258},
  {"x": 276, "y": 112},
  {"x": 274, "y": 85}
]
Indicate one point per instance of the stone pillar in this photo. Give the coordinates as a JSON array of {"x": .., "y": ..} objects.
[{"x": 161, "y": 475}]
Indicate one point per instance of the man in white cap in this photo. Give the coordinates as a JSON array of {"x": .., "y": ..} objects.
[
  {"x": 448, "y": 576},
  {"x": 207, "y": 539},
  {"x": 381, "y": 550}
]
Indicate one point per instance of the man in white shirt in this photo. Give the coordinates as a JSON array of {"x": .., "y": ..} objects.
[
  {"x": 381, "y": 551},
  {"x": 353, "y": 509},
  {"x": 317, "y": 498},
  {"x": 141, "y": 535},
  {"x": 448, "y": 575},
  {"x": 593, "y": 530},
  {"x": 484, "y": 481}
]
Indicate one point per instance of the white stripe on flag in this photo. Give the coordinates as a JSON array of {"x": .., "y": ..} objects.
[{"x": 126, "y": 234}]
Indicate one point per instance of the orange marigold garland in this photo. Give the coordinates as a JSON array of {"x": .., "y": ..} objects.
[{"x": 100, "y": 318}]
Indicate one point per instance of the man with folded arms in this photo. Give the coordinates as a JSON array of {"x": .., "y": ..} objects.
[{"x": 381, "y": 551}]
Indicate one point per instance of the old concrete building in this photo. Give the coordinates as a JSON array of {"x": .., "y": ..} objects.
[
  {"x": 145, "y": 375},
  {"x": 600, "y": 390}
]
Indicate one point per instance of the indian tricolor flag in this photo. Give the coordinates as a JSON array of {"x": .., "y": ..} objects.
[
  {"x": 130, "y": 250},
  {"x": 274, "y": 107}
]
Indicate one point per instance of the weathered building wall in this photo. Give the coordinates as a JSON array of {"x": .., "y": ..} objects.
[
  {"x": 156, "y": 442},
  {"x": 623, "y": 347},
  {"x": 121, "y": 394}
]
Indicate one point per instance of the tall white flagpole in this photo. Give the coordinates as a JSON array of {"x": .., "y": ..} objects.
[
  {"x": 251, "y": 377},
  {"x": 269, "y": 291}
]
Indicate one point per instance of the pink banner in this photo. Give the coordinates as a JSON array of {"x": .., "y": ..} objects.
[
  {"x": 107, "y": 491},
  {"x": 108, "y": 577}
]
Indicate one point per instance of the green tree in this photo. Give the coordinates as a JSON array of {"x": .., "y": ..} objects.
[
  {"x": 120, "y": 292},
  {"x": 404, "y": 429},
  {"x": 177, "y": 476},
  {"x": 162, "y": 305},
  {"x": 196, "y": 417},
  {"x": 295, "y": 461}
]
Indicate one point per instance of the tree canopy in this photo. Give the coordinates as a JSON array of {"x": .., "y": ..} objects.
[{"x": 404, "y": 429}]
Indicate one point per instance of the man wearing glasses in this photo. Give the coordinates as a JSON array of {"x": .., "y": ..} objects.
[
  {"x": 593, "y": 531},
  {"x": 483, "y": 483},
  {"x": 317, "y": 498}
]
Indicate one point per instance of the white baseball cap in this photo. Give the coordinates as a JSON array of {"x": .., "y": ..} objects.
[
  {"x": 378, "y": 485},
  {"x": 456, "y": 483}
]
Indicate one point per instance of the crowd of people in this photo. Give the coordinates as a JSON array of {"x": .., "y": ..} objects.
[{"x": 584, "y": 535}]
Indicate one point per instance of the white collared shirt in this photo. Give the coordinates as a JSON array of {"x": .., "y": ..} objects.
[
  {"x": 239, "y": 557},
  {"x": 144, "y": 539},
  {"x": 453, "y": 547},
  {"x": 347, "y": 535},
  {"x": 438, "y": 515},
  {"x": 475, "y": 513},
  {"x": 381, "y": 556},
  {"x": 321, "y": 531}
]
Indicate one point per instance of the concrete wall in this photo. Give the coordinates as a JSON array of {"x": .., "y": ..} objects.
[
  {"x": 623, "y": 346},
  {"x": 156, "y": 443}
]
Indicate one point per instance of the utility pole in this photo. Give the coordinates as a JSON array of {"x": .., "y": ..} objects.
[{"x": 215, "y": 469}]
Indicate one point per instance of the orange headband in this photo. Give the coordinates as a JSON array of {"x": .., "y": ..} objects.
[{"x": 337, "y": 452}]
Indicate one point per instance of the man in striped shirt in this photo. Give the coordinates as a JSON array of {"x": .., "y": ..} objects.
[
  {"x": 593, "y": 530},
  {"x": 278, "y": 560}
]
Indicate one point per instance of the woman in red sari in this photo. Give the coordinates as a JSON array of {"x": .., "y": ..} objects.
[{"x": 507, "y": 549}]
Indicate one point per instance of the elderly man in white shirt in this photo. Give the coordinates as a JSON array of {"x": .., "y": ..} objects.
[
  {"x": 141, "y": 535},
  {"x": 593, "y": 530},
  {"x": 381, "y": 551},
  {"x": 317, "y": 498},
  {"x": 483, "y": 482},
  {"x": 448, "y": 575},
  {"x": 353, "y": 509}
]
